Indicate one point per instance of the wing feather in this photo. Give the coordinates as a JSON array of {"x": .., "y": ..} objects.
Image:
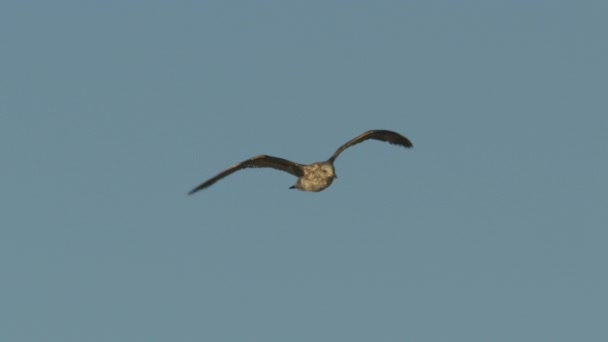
[
  {"x": 379, "y": 134},
  {"x": 260, "y": 161}
]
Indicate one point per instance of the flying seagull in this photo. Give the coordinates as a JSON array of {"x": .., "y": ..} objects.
[{"x": 313, "y": 177}]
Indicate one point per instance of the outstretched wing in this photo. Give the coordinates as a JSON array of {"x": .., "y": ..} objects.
[
  {"x": 257, "y": 161},
  {"x": 380, "y": 134}
]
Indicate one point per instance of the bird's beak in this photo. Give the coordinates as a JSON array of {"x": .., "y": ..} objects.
[{"x": 335, "y": 176}]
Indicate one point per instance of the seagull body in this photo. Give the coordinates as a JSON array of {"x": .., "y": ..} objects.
[
  {"x": 313, "y": 177},
  {"x": 317, "y": 177}
]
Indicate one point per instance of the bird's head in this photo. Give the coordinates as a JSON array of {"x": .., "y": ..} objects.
[{"x": 328, "y": 170}]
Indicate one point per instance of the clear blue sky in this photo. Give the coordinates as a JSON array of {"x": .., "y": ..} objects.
[{"x": 493, "y": 228}]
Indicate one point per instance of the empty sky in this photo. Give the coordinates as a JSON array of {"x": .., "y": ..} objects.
[{"x": 493, "y": 228}]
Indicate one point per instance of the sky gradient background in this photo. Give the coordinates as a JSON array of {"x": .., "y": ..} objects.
[{"x": 493, "y": 228}]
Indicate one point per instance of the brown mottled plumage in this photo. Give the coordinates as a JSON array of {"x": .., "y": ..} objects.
[{"x": 313, "y": 177}]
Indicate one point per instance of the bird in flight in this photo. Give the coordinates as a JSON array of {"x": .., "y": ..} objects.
[{"x": 314, "y": 177}]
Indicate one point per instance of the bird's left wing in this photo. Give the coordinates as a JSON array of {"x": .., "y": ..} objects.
[{"x": 257, "y": 161}]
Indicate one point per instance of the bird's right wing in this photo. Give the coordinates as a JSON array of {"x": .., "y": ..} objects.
[
  {"x": 257, "y": 161},
  {"x": 376, "y": 134}
]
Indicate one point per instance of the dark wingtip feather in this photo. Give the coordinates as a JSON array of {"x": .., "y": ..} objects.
[
  {"x": 193, "y": 191},
  {"x": 394, "y": 138}
]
